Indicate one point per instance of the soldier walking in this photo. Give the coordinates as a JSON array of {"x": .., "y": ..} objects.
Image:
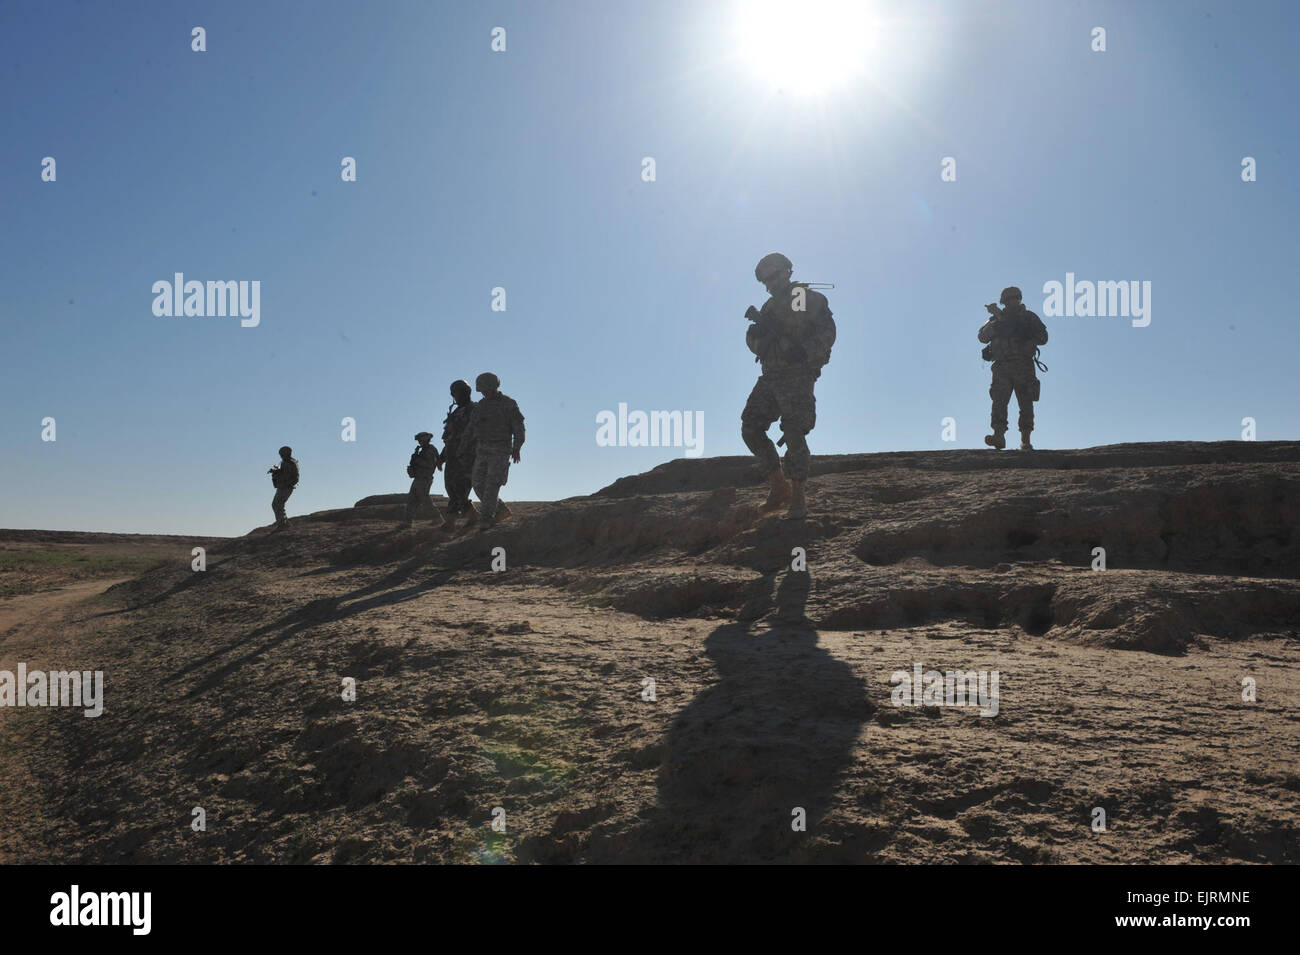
[
  {"x": 496, "y": 433},
  {"x": 1013, "y": 335},
  {"x": 421, "y": 469},
  {"x": 284, "y": 478},
  {"x": 456, "y": 467},
  {"x": 792, "y": 337}
]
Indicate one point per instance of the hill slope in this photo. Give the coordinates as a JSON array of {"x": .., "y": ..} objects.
[{"x": 525, "y": 689}]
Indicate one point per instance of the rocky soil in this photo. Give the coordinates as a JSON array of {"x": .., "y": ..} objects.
[{"x": 523, "y": 694}]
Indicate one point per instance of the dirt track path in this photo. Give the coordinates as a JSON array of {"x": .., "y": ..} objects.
[
  {"x": 32, "y": 630},
  {"x": 39, "y": 609}
]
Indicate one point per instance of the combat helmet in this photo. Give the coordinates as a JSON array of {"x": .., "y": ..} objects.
[
  {"x": 771, "y": 263},
  {"x": 1010, "y": 293},
  {"x": 461, "y": 391},
  {"x": 487, "y": 378}
]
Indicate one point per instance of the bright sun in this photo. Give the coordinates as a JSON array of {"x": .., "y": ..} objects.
[{"x": 805, "y": 46}]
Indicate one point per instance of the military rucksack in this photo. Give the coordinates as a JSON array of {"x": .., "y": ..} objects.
[
  {"x": 1020, "y": 327},
  {"x": 285, "y": 474},
  {"x": 829, "y": 332},
  {"x": 824, "y": 333}
]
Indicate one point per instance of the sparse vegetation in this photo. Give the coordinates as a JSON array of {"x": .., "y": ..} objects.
[{"x": 25, "y": 571}]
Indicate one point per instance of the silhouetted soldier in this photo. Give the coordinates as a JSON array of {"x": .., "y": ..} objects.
[
  {"x": 423, "y": 466},
  {"x": 792, "y": 336},
  {"x": 1013, "y": 336},
  {"x": 456, "y": 466},
  {"x": 496, "y": 432},
  {"x": 284, "y": 477}
]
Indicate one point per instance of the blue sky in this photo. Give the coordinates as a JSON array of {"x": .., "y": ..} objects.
[{"x": 523, "y": 169}]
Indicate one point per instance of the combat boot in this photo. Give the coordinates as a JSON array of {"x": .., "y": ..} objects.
[
  {"x": 1024, "y": 441},
  {"x": 779, "y": 492},
  {"x": 503, "y": 513},
  {"x": 471, "y": 514},
  {"x": 798, "y": 505},
  {"x": 998, "y": 439}
]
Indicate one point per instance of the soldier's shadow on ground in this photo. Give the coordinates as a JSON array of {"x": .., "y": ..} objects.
[
  {"x": 774, "y": 734},
  {"x": 187, "y": 582},
  {"x": 248, "y": 648}
]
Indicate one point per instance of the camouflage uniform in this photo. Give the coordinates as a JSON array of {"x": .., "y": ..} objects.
[
  {"x": 1013, "y": 339},
  {"x": 425, "y": 464},
  {"x": 285, "y": 478},
  {"x": 495, "y": 432},
  {"x": 456, "y": 473},
  {"x": 793, "y": 346}
]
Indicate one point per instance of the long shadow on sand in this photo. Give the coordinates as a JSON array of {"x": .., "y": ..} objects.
[
  {"x": 774, "y": 733},
  {"x": 383, "y": 592}
]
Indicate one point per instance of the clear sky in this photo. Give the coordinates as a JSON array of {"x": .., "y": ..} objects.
[{"x": 523, "y": 170}]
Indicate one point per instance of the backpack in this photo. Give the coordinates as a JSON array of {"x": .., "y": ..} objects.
[
  {"x": 286, "y": 475},
  {"x": 828, "y": 325},
  {"x": 825, "y": 332},
  {"x": 986, "y": 352}
]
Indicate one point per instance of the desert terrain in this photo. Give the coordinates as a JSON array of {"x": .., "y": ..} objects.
[{"x": 521, "y": 695}]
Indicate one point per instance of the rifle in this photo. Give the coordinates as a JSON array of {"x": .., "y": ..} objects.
[{"x": 752, "y": 313}]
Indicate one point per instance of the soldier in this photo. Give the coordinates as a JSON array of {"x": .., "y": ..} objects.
[
  {"x": 792, "y": 336},
  {"x": 423, "y": 466},
  {"x": 457, "y": 466},
  {"x": 1013, "y": 336},
  {"x": 284, "y": 477},
  {"x": 496, "y": 433}
]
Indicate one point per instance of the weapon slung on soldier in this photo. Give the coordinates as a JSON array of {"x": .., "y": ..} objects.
[{"x": 752, "y": 313}]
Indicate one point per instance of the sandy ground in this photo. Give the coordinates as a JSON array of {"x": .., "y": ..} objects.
[
  {"x": 21, "y": 613},
  {"x": 25, "y": 624},
  {"x": 521, "y": 695}
]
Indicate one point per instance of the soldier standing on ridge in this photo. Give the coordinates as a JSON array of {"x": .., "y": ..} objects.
[
  {"x": 792, "y": 336},
  {"x": 284, "y": 477},
  {"x": 496, "y": 432},
  {"x": 1013, "y": 336},
  {"x": 457, "y": 466},
  {"x": 423, "y": 466}
]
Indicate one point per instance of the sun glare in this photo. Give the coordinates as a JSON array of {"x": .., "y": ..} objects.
[{"x": 805, "y": 46}]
